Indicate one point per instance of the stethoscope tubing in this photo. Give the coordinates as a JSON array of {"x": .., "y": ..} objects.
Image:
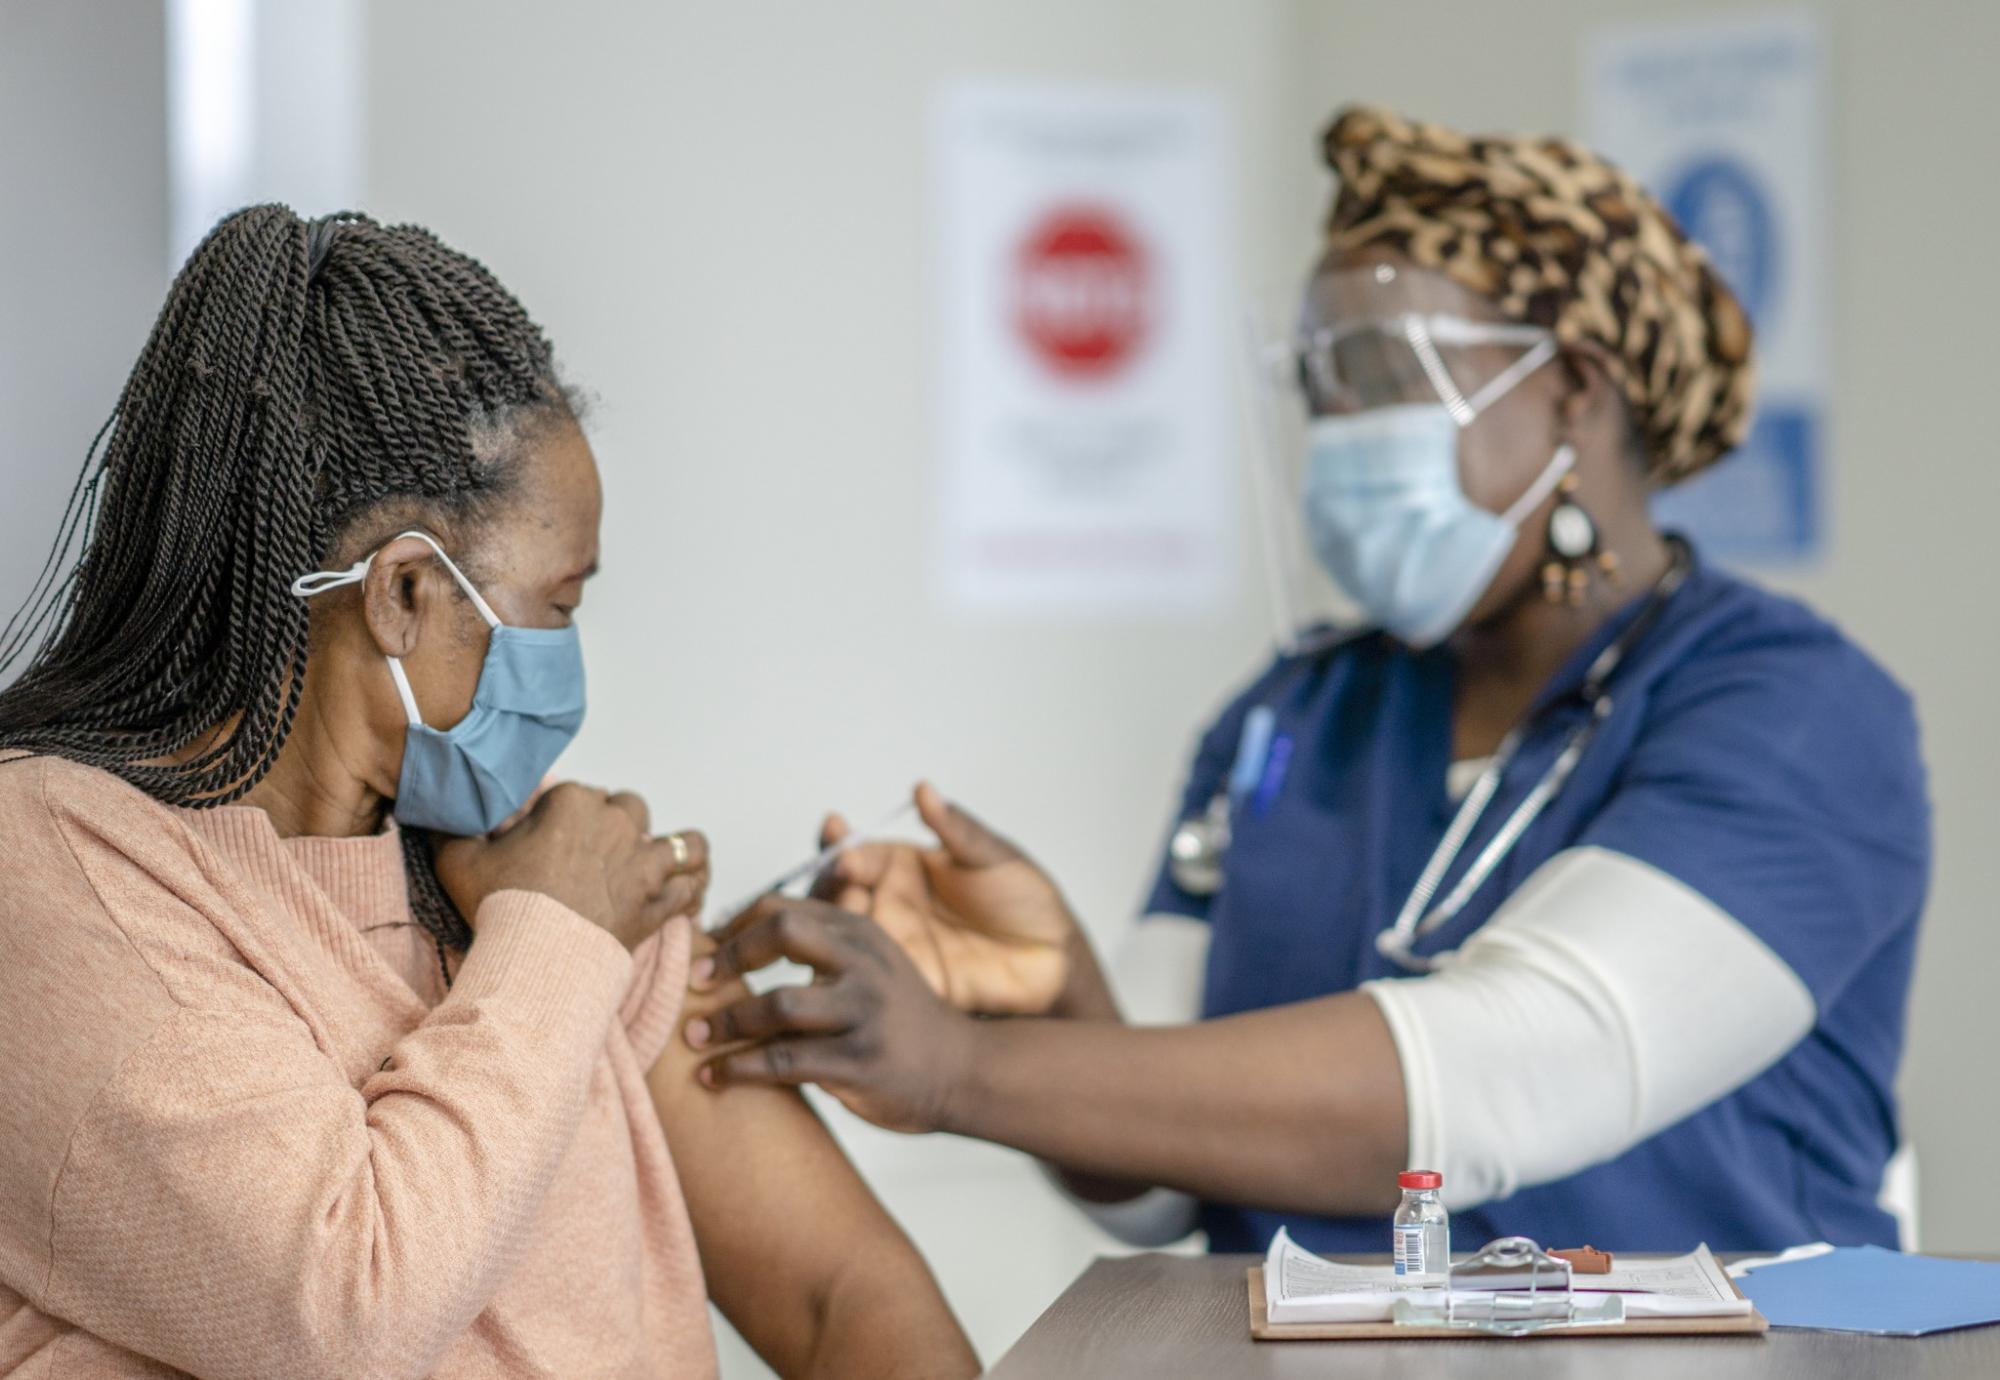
[
  {"x": 1200, "y": 870},
  {"x": 1412, "y": 921}
]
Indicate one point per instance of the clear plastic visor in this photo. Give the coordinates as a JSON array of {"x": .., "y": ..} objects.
[
  {"x": 1374, "y": 337},
  {"x": 1361, "y": 338}
]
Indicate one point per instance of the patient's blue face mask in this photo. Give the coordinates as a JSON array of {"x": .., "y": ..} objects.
[
  {"x": 1384, "y": 508},
  {"x": 528, "y": 705}
]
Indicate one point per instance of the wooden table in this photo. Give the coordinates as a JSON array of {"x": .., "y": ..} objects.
[{"x": 1162, "y": 1317}]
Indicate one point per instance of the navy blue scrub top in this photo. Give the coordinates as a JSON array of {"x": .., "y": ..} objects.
[{"x": 1753, "y": 752}]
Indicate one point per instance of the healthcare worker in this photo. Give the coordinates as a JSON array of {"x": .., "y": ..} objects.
[{"x": 1587, "y": 874}]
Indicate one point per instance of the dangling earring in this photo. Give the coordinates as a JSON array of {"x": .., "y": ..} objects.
[{"x": 1573, "y": 548}]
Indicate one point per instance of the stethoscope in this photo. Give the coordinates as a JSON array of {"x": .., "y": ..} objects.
[{"x": 1199, "y": 847}]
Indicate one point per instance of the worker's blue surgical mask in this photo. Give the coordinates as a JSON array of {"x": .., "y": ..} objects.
[
  {"x": 528, "y": 705},
  {"x": 1391, "y": 524}
]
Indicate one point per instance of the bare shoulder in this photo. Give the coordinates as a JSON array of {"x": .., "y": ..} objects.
[{"x": 733, "y": 1126}]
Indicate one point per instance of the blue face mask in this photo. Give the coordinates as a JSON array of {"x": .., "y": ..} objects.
[
  {"x": 527, "y": 707},
  {"x": 1392, "y": 526}
]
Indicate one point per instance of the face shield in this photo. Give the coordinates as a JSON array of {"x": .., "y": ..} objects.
[{"x": 1363, "y": 341}]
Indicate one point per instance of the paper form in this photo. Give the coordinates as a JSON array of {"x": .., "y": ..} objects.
[
  {"x": 1305, "y": 1275},
  {"x": 1302, "y": 1287},
  {"x": 1691, "y": 1285}
]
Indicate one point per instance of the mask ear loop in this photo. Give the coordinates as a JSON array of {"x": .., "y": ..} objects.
[
  {"x": 410, "y": 710},
  {"x": 485, "y": 610},
  {"x": 1498, "y": 387},
  {"x": 1560, "y": 464},
  {"x": 1464, "y": 410},
  {"x": 320, "y": 581}
]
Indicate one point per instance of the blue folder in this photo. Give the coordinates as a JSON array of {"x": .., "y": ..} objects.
[{"x": 1868, "y": 1289}]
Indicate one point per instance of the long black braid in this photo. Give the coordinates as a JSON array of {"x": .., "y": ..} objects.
[{"x": 303, "y": 380}]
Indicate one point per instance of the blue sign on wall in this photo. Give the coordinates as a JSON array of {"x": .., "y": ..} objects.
[
  {"x": 1762, "y": 503},
  {"x": 1720, "y": 206},
  {"x": 1724, "y": 118}
]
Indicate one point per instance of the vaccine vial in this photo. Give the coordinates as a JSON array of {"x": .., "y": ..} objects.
[{"x": 1422, "y": 1232}]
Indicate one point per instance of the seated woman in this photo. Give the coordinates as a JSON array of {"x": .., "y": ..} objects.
[{"x": 295, "y": 1087}]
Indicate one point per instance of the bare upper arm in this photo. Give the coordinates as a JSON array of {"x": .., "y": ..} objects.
[{"x": 778, "y": 1211}]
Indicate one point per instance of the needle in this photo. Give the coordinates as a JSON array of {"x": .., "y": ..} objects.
[{"x": 816, "y": 864}]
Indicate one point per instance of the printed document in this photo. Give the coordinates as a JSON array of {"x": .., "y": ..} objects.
[{"x": 1300, "y": 1287}]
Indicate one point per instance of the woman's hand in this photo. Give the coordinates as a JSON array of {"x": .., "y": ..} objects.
[
  {"x": 869, "y": 1030},
  {"x": 589, "y": 850},
  {"x": 983, "y": 924}
]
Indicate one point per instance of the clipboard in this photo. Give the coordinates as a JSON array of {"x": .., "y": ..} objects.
[{"x": 1262, "y": 1329}]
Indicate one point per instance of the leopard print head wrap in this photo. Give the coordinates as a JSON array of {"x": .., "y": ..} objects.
[{"x": 1559, "y": 238}]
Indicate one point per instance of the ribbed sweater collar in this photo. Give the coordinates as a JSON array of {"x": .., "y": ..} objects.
[
  {"x": 334, "y": 890},
  {"x": 361, "y": 876}
]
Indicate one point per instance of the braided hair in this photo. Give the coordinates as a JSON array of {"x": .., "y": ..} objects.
[{"x": 304, "y": 381}]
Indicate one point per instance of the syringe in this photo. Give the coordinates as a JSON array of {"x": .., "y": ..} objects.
[{"x": 817, "y": 863}]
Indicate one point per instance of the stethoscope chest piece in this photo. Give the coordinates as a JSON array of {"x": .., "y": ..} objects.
[{"x": 1198, "y": 848}]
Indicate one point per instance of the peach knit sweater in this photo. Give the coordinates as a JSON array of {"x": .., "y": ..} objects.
[{"x": 245, "y": 1130}]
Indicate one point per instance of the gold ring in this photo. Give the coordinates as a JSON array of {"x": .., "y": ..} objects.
[{"x": 680, "y": 847}]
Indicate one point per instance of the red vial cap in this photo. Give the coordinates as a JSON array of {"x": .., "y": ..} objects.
[{"x": 1420, "y": 1178}]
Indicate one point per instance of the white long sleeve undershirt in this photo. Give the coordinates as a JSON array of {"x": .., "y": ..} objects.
[{"x": 1602, "y": 1002}]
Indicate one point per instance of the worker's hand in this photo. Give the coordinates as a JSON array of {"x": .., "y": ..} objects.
[
  {"x": 590, "y": 850},
  {"x": 868, "y": 1029},
  {"x": 984, "y": 925}
]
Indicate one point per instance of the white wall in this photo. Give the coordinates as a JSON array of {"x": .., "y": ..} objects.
[
  {"x": 720, "y": 212},
  {"x": 83, "y": 248},
  {"x": 1914, "y": 488},
  {"x": 264, "y": 104}
]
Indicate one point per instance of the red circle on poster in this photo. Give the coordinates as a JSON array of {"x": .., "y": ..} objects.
[{"x": 1081, "y": 293}]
